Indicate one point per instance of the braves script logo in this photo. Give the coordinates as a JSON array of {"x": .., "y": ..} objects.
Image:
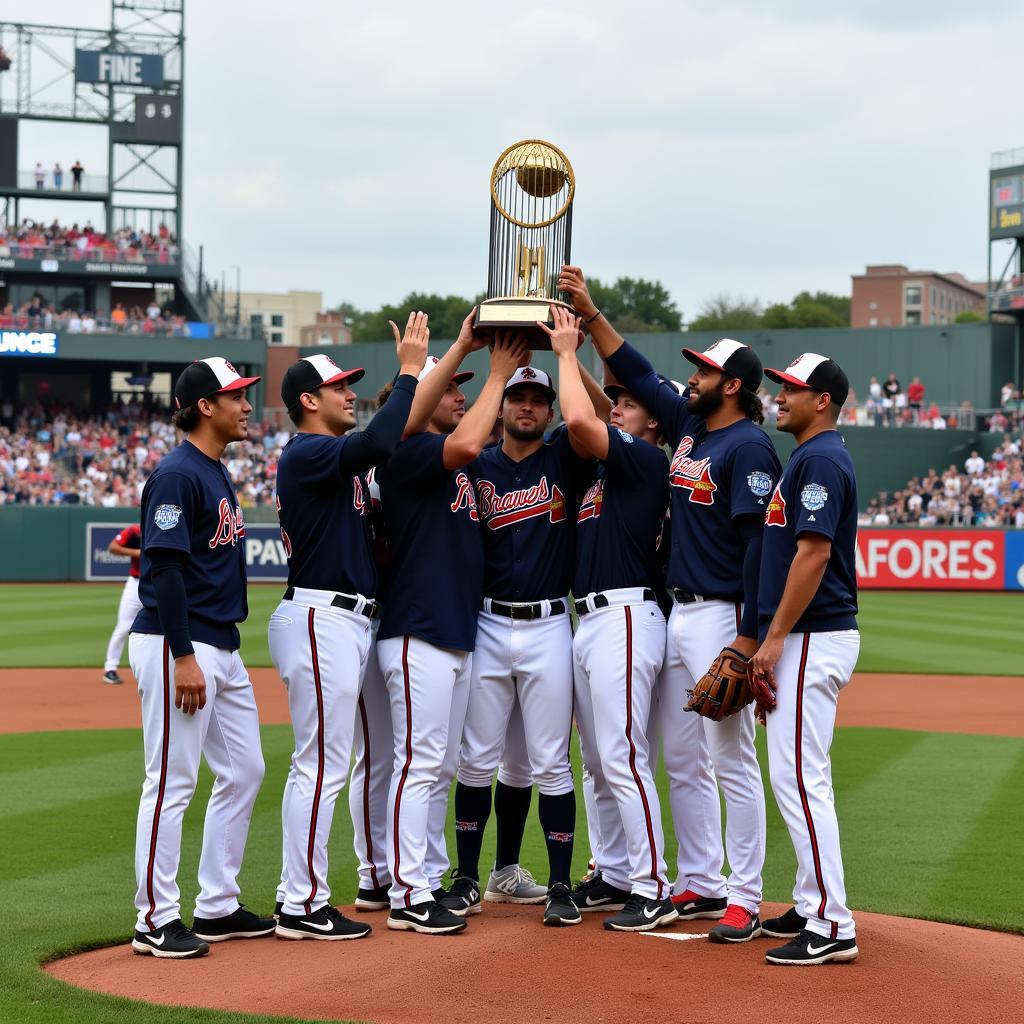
[
  {"x": 776, "y": 513},
  {"x": 693, "y": 474},
  {"x": 465, "y": 496},
  {"x": 358, "y": 497},
  {"x": 230, "y": 525},
  {"x": 590, "y": 507},
  {"x": 285, "y": 539},
  {"x": 501, "y": 510}
]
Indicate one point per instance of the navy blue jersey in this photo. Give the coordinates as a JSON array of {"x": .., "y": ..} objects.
[
  {"x": 619, "y": 523},
  {"x": 528, "y": 513},
  {"x": 189, "y": 505},
  {"x": 433, "y": 534},
  {"x": 715, "y": 477},
  {"x": 817, "y": 494},
  {"x": 322, "y": 507}
]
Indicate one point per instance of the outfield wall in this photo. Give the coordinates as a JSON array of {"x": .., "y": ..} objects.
[{"x": 64, "y": 543}]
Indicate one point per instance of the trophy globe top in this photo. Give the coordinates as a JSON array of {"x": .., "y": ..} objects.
[{"x": 532, "y": 184}]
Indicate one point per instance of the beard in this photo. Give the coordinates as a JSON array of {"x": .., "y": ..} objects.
[
  {"x": 707, "y": 402},
  {"x": 517, "y": 433}
]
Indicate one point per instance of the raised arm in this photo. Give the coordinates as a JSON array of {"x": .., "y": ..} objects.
[
  {"x": 586, "y": 428},
  {"x": 466, "y": 442},
  {"x": 430, "y": 392},
  {"x": 598, "y": 399}
]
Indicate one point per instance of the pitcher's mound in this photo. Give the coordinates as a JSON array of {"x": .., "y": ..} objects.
[{"x": 507, "y": 968}]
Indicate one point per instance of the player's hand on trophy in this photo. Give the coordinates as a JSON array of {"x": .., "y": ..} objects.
[
  {"x": 510, "y": 351},
  {"x": 411, "y": 347},
  {"x": 469, "y": 339},
  {"x": 189, "y": 685},
  {"x": 566, "y": 336},
  {"x": 572, "y": 282}
]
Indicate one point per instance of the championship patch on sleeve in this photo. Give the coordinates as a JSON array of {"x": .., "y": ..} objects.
[
  {"x": 813, "y": 497},
  {"x": 166, "y": 516},
  {"x": 760, "y": 483},
  {"x": 628, "y": 438}
]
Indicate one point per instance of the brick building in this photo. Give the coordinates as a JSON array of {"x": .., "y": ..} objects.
[{"x": 889, "y": 295}]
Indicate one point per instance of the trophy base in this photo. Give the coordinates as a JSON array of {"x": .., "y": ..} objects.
[{"x": 519, "y": 314}]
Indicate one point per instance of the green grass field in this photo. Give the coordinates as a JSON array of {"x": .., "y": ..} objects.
[
  {"x": 930, "y": 820},
  {"x": 939, "y": 633}
]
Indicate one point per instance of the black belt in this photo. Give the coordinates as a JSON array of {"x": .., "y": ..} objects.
[
  {"x": 685, "y": 597},
  {"x": 587, "y": 605},
  {"x": 371, "y": 609},
  {"x": 525, "y": 611}
]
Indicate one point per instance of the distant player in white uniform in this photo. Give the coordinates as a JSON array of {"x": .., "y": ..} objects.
[{"x": 127, "y": 544}]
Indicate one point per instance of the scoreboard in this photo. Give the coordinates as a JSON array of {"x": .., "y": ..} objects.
[{"x": 1006, "y": 203}]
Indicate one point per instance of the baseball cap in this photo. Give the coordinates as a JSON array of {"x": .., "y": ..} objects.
[
  {"x": 819, "y": 373},
  {"x": 206, "y": 377},
  {"x": 614, "y": 390},
  {"x": 733, "y": 358},
  {"x": 432, "y": 361},
  {"x": 310, "y": 373},
  {"x": 529, "y": 375}
]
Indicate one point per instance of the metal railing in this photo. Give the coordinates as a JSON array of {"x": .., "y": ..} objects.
[
  {"x": 96, "y": 254},
  {"x": 95, "y": 183},
  {"x": 1003, "y": 300},
  {"x": 1007, "y": 158}
]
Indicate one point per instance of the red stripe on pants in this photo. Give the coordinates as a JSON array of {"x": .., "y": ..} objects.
[
  {"x": 165, "y": 744},
  {"x": 320, "y": 760},
  {"x": 632, "y": 749},
  {"x": 405, "y": 767},
  {"x": 366, "y": 791},
  {"x": 819, "y": 878}
]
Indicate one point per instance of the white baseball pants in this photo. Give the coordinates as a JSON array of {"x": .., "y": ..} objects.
[
  {"x": 373, "y": 751},
  {"x": 428, "y": 688},
  {"x": 319, "y": 652},
  {"x": 618, "y": 652},
  {"x": 127, "y": 608},
  {"x": 227, "y": 733},
  {"x": 813, "y": 668},
  {"x": 531, "y": 659},
  {"x": 698, "y": 752}
]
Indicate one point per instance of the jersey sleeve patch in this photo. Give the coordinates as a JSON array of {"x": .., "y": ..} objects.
[
  {"x": 813, "y": 497},
  {"x": 628, "y": 438},
  {"x": 166, "y": 517},
  {"x": 760, "y": 483}
]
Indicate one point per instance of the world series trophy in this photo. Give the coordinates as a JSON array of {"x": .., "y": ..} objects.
[{"x": 532, "y": 189}]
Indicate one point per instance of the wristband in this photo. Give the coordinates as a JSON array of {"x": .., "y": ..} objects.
[{"x": 593, "y": 318}]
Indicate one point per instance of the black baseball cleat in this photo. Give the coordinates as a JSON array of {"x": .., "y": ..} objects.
[
  {"x": 788, "y": 926},
  {"x": 561, "y": 911},
  {"x": 172, "y": 941},
  {"x": 691, "y": 905},
  {"x": 596, "y": 894},
  {"x": 428, "y": 918},
  {"x": 809, "y": 949},
  {"x": 641, "y": 914},
  {"x": 113, "y": 678},
  {"x": 325, "y": 924},
  {"x": 242, "y": 924},
  {"x": 463, "y": 898},
  {"x": 372, "y": 899},
  {"x": 737, "y": 925}
]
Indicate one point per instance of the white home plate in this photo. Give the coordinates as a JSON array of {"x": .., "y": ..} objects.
[{"x": 677, "y": 936}]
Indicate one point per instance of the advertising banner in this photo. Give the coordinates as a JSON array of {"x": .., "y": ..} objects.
[{"x": 915, "y": 559}]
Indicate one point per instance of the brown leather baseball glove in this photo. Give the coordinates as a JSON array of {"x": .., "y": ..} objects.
[{"x": 723, "y": 689}]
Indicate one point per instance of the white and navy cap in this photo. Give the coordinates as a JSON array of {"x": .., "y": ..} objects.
[
  {"x": 614, "y": 390},
  {"x": 733, "y": 358},
  {"x": 534, "y": 377},
  {"x": 206, "y": 377},
  {"x": 819, "y": 373},
  {"x": 432, "y": 361},
  {"x": 310, "y": 373}
]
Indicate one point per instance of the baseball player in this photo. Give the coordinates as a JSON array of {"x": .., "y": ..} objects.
[
  {"x": 526, "y": 490},
  {"x": 196, "y": 695},
  {"x": 721, "y": 474},
  {"x": 127, "y": 544},
  {"x": 320, "y": 635},
  {"x": 619, "y": 646},
  {"x": 809, "y": 646},
  {"x": 428, "y": 627}
]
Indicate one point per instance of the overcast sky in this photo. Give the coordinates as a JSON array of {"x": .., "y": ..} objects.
[{"x": 757, "y": 148}]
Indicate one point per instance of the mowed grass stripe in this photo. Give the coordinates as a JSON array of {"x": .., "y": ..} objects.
[{"x": 925, "y": 632}]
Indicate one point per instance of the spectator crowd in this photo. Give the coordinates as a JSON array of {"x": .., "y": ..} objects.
[
  {"x": 37, "y": 240},
  {"x": 37, "y": 315},
  {"x": 983, "y": 492},
  {"x": 51, "y": 455}
]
